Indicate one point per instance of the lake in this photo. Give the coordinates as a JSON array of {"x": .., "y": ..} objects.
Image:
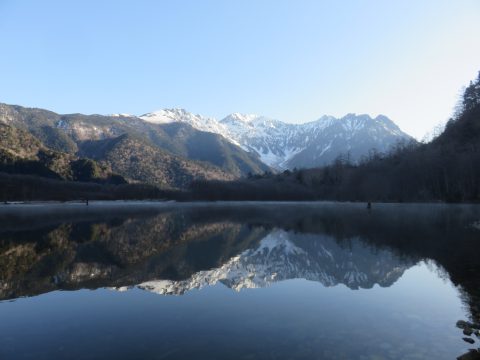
[{"x": 238, "y": 281}]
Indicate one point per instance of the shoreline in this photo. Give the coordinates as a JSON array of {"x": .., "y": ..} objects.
[{"x": 95, "y": 203}]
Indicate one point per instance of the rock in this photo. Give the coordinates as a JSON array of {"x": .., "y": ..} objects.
[
  {"x": 467, "y": 331},
  {"x": 470, "y": 355},
  {"x": 477, "y": 333},
  {"x": 468, "y": 340},
  {"x": 462, "y": 324}
]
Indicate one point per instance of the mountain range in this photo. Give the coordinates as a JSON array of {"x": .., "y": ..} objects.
[
  {"x": 168, "y": 156},
  {"x": 286, "y": 146},
  {"x": 172, "y": 147}
]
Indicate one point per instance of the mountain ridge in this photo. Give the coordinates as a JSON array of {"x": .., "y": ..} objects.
[{"x": 283, "y": 145}]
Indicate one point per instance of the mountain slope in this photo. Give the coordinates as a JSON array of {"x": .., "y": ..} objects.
[
  {"x": 353, "y": 136},
  {"x": 22, "y": 153},
  {"x": 213, "y": 148},
  {"x": 140, "y": 160}
]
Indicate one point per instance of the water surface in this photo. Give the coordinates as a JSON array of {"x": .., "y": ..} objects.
[{"x": 237, "y": 281}]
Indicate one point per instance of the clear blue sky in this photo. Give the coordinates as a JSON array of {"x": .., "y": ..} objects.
[{"x": 293, "y": 60}]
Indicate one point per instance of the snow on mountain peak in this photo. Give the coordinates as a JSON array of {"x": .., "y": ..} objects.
[
  {"x": 285, "y": 145},
  {"x": 387, "y": 122},
  {"x": 199, "y": 122},
  {"x": 159, "y": 117},
  {"x": 243, "y": 118},
  {"x": 171, "y": 115},
  {"x": 121, "y": 115}
]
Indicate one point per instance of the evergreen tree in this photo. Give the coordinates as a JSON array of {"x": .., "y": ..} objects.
[{"x": 471, "y": 97}]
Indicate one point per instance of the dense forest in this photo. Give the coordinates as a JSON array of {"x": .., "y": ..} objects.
[
  {"x": 14, "y": 187},
  {"x": 445, "y": 169}
]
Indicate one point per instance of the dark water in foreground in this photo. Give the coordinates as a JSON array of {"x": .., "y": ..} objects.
[{"x": 249, "y": 281}]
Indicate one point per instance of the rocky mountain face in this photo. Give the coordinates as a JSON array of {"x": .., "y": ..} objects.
[
  {"x": 212, "y": 148},
  {"x": 286, "y": 146},
  {"x": 283, "y": 255},
  {"x": 170, "y": 155}
]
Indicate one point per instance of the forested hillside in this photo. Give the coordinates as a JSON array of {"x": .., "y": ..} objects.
[
  {"x": 21, "y": 153},
  {"x": 148, "y": 164}
]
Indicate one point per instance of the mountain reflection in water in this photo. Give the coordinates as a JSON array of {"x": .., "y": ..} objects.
[
  {"x": 286, "y": 255},
  {"x": 172, "y": 249}
]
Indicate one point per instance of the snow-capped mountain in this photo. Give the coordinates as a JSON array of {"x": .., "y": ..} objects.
[
  {"x": 283, "y": 255},
  {"x": 283, "y": 145},
  {"x": 199, "y": 122}
]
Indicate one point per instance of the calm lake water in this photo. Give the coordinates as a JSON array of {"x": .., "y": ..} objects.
[{"x": 238, "y": 281}]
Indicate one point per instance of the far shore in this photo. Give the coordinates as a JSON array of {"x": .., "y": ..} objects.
[{"x": 166, "y": 202}]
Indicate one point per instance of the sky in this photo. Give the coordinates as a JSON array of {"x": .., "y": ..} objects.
[{"x": 291, "y": 60}]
